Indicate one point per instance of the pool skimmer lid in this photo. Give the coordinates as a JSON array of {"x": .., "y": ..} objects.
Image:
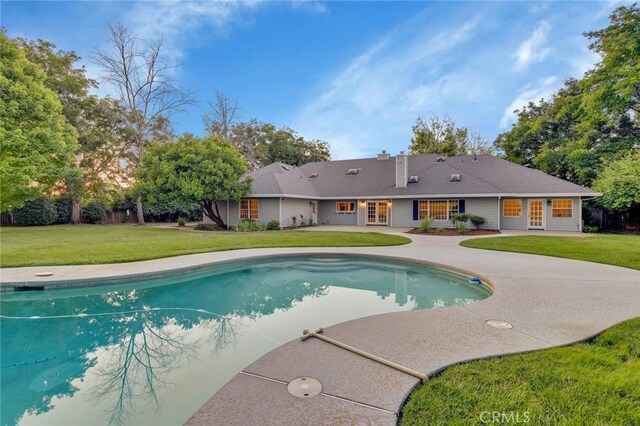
[
  {"x": 304, "y": 387},
  {"x": 44, "y": 274},
  {"x": 499, "y": 324}
]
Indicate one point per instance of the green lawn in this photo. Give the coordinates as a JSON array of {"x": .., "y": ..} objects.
[
  {"x": 86, "y": 244},
  {"x": 595, "y": 382},
  {"x": 619, "y": 250}
]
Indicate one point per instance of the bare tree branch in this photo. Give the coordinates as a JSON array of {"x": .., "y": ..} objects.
[
  {"x": 146, "y": 88},
  {"x": 222, "y": 116}
]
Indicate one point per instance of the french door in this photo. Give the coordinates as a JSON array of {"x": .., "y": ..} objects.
[
  {"x": 377, "y": 212},
  {"x": 536, "y": 214}
]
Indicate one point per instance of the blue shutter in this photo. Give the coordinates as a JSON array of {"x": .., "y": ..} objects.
[
  {"x": 461, "y": 206},
  {"x": 415, "y": 210}
]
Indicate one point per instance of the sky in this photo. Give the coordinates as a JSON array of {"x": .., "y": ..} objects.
[{"x": 355, "y": 74}]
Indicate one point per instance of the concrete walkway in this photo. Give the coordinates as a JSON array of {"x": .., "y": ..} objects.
[{"x": 549, "y": 301}]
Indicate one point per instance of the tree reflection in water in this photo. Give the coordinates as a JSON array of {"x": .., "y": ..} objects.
[{"x": 125, "y": 340}]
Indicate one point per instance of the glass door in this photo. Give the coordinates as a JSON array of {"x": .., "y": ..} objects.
[
  {"x": 536, "y": 214},
  {"x": 371, "y": 212},
  {"x": 382, "y": 212},
  {"x": 377, "y": 212}
]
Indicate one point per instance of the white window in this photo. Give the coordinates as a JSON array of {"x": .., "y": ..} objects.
[
  {"x": 345, "y": 207},
  {"x": 454, "y": 207},
  {"x": 512, "y": 208},
  {"x": 562, "y": 207},
  {"x": 438, "y": 210},
  {"x": 423, "y": 209},
  {"x": 249, "y": 209}
]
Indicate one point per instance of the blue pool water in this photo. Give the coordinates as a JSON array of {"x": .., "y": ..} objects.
[{"x": 152, "y": 352}]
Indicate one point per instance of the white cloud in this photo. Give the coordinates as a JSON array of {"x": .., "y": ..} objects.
[
  {"x": 311, "y": 6},
  {"x": 534, "y": 49},
  {"x": 539, "y": 7},
  {"x": 544, "y": 88},
  {"x": 381, "y": 90},
  {"x": 177, "y": 21}
]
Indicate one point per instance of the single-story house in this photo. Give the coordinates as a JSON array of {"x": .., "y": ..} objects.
[{"x": 402, "y": 190}]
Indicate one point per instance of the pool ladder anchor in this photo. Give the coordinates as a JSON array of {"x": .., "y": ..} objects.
[{"x": 318, "y": 334}]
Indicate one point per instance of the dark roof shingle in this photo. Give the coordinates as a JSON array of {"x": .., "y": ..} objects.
[{"x": 488, "y": 175}]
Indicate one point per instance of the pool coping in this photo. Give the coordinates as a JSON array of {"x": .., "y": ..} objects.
[{"x": 550, "y": 302}]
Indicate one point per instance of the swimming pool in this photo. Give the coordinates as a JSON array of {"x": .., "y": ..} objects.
[{"x": 152, "y": 352}]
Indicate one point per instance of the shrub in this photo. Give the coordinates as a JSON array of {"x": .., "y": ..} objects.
[
  {"x": 250, "y": 226},
  {"x": 208, "y": 227},
  {"x": 182, "y": 221},
  {"x": 425, "y": 225},
  {"x": 63, "y": 209},
  {"x": 457, "y": 218},
  {"x": 37, "y": 212},
  {"x": 165, "y": 211},
  {"x": 461, "y": 227},
  {"x": 273, "y": 225},
  {"x": 591, "y": 229},
  {"x": 441, "y": 231},
  {"x": 94, "y": 212},
  {"x": 477, "y": 221},
  {"x": 310, "y": 221}
]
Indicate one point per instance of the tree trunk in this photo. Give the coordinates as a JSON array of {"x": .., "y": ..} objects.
[
  {"x": 75, "y": 212},
  {"x": 139, "y": 211},
  {"x": 214, "y": 215}
]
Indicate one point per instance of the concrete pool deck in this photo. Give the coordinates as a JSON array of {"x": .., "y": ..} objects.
[{"x": 549, "y": 301}]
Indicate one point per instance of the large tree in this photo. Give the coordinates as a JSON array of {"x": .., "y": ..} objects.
[
  {"x": 591, "y": 121},
  {"x": 435, "y": 135},
  {"x": 286, "y": 146},
  {"x": 37, "y": 143},
  {"x": 619, "y": 182},
  {"x": 191, "y": 169},
  {"x": 147, "y": 90},
  {"x": 262, "y": 143},
  {"x": 98, "y": 122}
]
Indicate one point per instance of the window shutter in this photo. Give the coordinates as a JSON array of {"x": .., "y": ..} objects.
[
  {"x": 461, "y": 206},
  {"x": 415, "y": 209}
]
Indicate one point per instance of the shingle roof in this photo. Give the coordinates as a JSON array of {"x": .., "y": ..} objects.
[{"x": 376, "y": 178}]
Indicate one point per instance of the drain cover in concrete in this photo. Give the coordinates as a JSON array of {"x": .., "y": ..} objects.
[
  {"x": 304, "y": 387},
  {"x": 499, "y": 324}
]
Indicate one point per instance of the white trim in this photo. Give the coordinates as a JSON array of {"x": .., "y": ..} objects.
[
  {"x": 562, "y": 217},
  {"x": 521, "y": 207},
  {"x": 499, "y": 210},
  {"x": 423, "y": 196},
  {"x": 377, "y": 204},
  {"x": 580, "y": 214},
  {"x": 346, "y": 211},
  {"x": 249, "y": 209},
  {"x": 543, "y": 211}
]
